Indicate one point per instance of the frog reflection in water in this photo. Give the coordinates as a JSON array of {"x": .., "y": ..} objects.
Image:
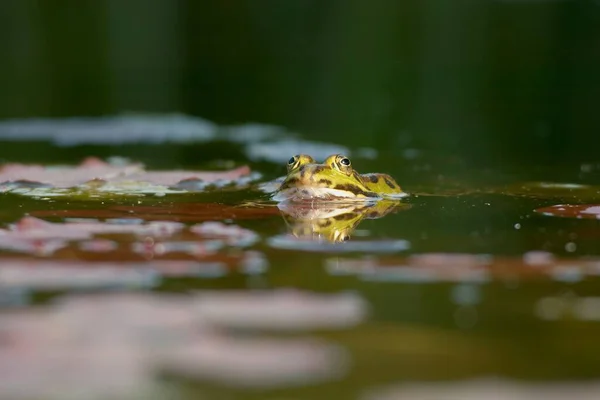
[
  {"x": 334, "y": 180},
  {"x": 329, "y": 200},
  {"x": 333, "y": 222}
]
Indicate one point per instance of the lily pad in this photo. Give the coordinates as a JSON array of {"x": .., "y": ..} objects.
[
  {"x": 476, "y": 268},
  {"x": 579, "y": 211},
  {"x": 111, "y": 345},
  {"x": 546, "y": 190},
  {"x": 112, "y": 130},
  {"x": 96, "y": 178},
  {"x": 280, "y": 151},
  {"x": 476, "y": 389},
  {"x": 210, "y": 249}
]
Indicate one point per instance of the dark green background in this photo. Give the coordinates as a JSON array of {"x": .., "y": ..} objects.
[{"x": 490, "y": 81}]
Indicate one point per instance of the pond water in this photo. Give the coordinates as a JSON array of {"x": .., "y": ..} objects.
[{"x": 151, "y": 281}]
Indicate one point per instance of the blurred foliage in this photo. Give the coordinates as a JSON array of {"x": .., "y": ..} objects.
[{"x": 489, "y": 81}]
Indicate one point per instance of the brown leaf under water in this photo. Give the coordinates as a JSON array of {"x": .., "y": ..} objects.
[{"x": 579, "y": 211}]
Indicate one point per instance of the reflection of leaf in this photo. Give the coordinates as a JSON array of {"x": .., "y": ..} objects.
[
  {"x": 591, "y": 211},
  {"x": 96, "y": 177}
]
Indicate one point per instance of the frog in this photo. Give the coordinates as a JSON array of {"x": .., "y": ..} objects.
[{"x": 334, "y": 180}]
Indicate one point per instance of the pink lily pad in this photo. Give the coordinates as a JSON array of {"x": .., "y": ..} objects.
[
  {"x": 210, "y": 249},
  {"x": 579, "y": 211},
  {"x": 32, "y": 227},
  {"x": 112, "y": 345},
  {"x": 97, "y": 176},
  {"x": 445, "y": 267}
]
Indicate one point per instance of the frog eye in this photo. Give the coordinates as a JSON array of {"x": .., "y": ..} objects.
[
  {"x": 292, "y": 160},
  {"x": 345, "y": 162}
]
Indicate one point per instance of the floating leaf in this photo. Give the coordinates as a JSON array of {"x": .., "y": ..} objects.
[
  {"x": 579, "y": 211},
  {"x": 210, "y": 249},
  {"x": 110, "y": 130},
  {"x": 31, "y": 227},
  {"x": 95, "y": 178},
  {"x": 291, "y": 242},
  {"x": 112, "y": 345},
  {"x": 49, "y": 275},
  {"x": 280, "y": 151},
  {"x": 550, "y": 190},
  {"x": 487, "y": 388},
  {"x": 447, "y": 267},
  {"x": 280, "y": 310},
  {"x": 257, "y": 362}
]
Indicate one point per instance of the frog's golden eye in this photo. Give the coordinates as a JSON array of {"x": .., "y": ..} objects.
[
  {"x": 292, "y": 160},
  {"x": 342, "y": 164}
]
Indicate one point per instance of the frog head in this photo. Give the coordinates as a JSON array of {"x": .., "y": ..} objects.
[{"x": 334, "y": 179}]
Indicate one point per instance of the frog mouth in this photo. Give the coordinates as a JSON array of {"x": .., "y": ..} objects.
[{"x": 322, "y": 193}]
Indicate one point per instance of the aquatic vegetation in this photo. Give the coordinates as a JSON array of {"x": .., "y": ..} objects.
[
  {"x": 476, "y": 389},
  {"x": 555, "y": 190},
  {"x": 94, "y": 178},
  {"x": 278, "y": 151},
  {"x": 579, "y": 211},
  {"x": 453, "y": 267},
  {"x": 183, "y": 271},
  {"x": 283, "y": 310},
  {"x": 204, "y": 250},
  {"x": 122, "y": 129},
  {"x": 61, "y": 275},
  {"x": 103, "y": 346}
]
